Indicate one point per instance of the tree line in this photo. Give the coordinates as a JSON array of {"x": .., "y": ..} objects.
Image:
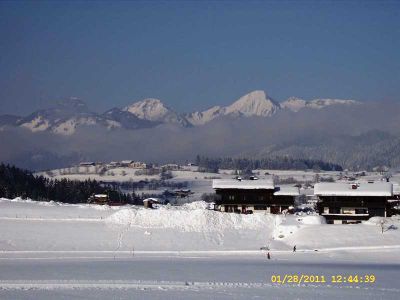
[
  {"x": 208, "y": 164},
  {"x": 16, "y": 182}
]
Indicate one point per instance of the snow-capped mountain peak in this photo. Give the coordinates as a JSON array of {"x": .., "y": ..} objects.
[
  {"x": 256, "y": 103},
  {"x": 154, "y": 110},
  {"x": 148, "y": 109}
]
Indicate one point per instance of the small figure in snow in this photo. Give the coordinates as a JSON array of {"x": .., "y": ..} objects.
[
  {"x": 268, "y": 256},
  {"x": 294, "y": 248}
]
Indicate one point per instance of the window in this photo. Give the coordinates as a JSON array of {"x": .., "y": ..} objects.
[
  {"x": 230, "y": 208},
  {"x": 359, "y": 211},
  {"x": 334, "y": 210},
  {"x": 260, "y": 207}
]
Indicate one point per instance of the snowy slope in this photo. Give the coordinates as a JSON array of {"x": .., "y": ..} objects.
[
  {"x": 63, "y": 118},
  {"x": 27, "y": 225},
  {"x": 154, "y": 110},
  {"x": 256, "y": 103},
  {"x": 201, "y": 118},
  {"x": 296, "y": 104},
  {"x": 58, "y": 251}
]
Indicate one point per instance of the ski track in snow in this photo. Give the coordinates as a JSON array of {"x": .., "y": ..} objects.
[{"x": 165, "y": 285}]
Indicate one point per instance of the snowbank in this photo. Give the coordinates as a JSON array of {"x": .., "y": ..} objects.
[
  {"x": 375, "y": 221},
  {"x": 289, "y": 225},
  {"x": 193, "y": 217},
  {"x": 312, "y": 220}
]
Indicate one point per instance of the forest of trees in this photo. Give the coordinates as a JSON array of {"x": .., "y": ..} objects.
[
  {"x": 207, "y": 164},
  {"x": 15, "y": 182}
]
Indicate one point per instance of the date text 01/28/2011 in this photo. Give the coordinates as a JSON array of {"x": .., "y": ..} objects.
[{"x": 304, "y": 278}]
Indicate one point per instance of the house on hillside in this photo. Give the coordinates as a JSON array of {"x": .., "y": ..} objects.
[
  {"x": 125, "y": 163},
  {"x": 138, "y": 165},
  {"x": 87, "y": 164},
  {"x": 98, "y": 199},
  {"x": 113, "y": 164},
  {"x": 152, "y": 202},
  {"x": 248, "y": 196},
  {"x": 344, "y": 203},
  {"x": 171, "y": 167}
]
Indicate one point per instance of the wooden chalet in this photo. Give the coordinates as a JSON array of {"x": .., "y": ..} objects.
[
  {"x": 248, "y": 196},
  {"x": 99, "y": 199},
  {"x": 343, "y": 203}
]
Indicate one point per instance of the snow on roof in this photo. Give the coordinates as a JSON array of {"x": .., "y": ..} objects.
[
  {"x": 101, "y": 195},
  {"x": 353, "y": 189},
  {"x": 151, "y": 199},
  {"x": 261, "y": 184},
  {"x": 396, "y": 188},
  {"x": 287, "y": 191},
  {"x": 126, "y": 161}
]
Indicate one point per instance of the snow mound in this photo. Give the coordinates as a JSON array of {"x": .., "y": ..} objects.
[
  {"x": 290, "y": 224},
  {"x": 313, "y": 220},
  {"x": 375, "y": 221},
  {"x": 196, "y": 205},
  {"x": 191, "y": 217}
]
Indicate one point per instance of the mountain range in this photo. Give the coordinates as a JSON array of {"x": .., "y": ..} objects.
[
  {"x": 355, "y": 135},
  {"x": 70, "y": 114}
]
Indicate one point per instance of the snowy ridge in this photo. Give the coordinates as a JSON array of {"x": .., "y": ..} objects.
[
  {"x": 258, "y": 103},
  {"x": 201, "y": 118},
  {"x": 296, "y": 104},
  {"x": 154, "y": 110},
  {"x": 70, "y": 114},
  {"x": 189, "y": 218}
]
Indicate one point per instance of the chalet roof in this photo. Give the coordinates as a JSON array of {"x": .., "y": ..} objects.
[
  {"x": 353, "y": 189},
  {"x": 287, "y": 191},
  {"x": 101, "y": 195},
  {"x": 126, "y": 161},
  {"x": 261, "y": 184},
  {"x": 152, "y": 200}
]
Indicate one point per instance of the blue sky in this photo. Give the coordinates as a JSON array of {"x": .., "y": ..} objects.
[{"x": 193, "y": 55}]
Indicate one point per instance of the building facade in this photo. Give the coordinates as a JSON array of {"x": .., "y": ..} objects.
[
  {"x": 344, "y": 203},
  {"x": 252, "y": 196}
]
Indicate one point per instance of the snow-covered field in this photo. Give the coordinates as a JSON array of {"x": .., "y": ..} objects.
[{"x": 51, "y": 250}]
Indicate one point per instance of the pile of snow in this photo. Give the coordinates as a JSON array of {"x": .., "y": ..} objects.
[
  {"x": 290, "y": 224},
  {"x": 196, "y": 205},
  {"x": 375, "y": 221},
  {"x": 312, "y": 220},
  {"x": 378, "y": 220},
  {"x": 193, "y": 217}
]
